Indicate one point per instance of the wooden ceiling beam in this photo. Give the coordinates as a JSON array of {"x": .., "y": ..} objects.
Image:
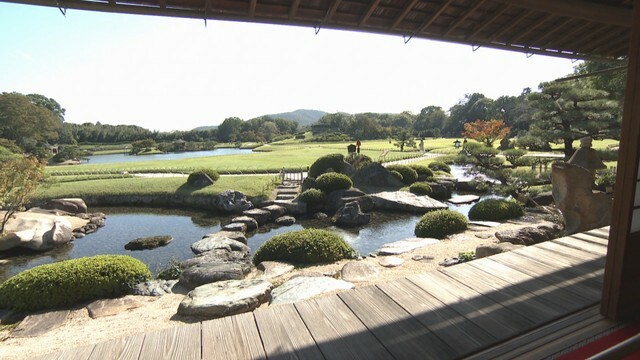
[
  {"x": 615, "y": 48},
  {"x": 370, "y": 10},
  {"x": 566, "y": 22},
  {"x": 428, "y": 21},
  {"x": 498, "y": 34},
  {"x": 543, "y": 19},
  {"x": 605, "y": 40},
  {"x": 163, "y": 4},
  {"x": 252, "y": 8},
  {"x": 584, "y": 10},
  {"x": 487, "y": 22},
  {"x": 332, "y": 10},
  {"x": 464, "y": 16},
  {"x": 403, "y": 14},
  {"x": 294, "y": 8},
  {"x": 560, "y": 40},
  {"x": 595, "y": 35}
]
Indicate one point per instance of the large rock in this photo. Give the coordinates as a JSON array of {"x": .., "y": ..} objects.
[
  {"x": 70, "y": 205},
  {"x": 493, "y": 249},
  {"x": 276, "y": 211},
  {"x": 250, "y": 222},
  {"x": 232, "y": 201},
  {"x": 212, "y": 272},
  {"x": 217, "y": 256},
  {"x": 404, "y": 201},
  {"x": 294, "y": 207},
  {"x": 304, "y": 287},
  {"x": 220, "y": 240},
  {"x": 225, "y": 298},
  {"x": 272, "y": 269},
  {"x": 358, "y": 271},
  {"x": 336, "y": 199},
  {"x": 37, "y": 233},
  {"x": 222, "y": 234},
  {"x": 390, "y": 261},
  {"x": 150, "y": 242},
  {"x": 530, "y": 235},
  {"x": 154, "y": 287},
  {"x": 375, "y": 175},
  {"x": 351, "y": 215},
  {"x": 38, "y": 324},
  {"x": 582, "y": 208},
  {"x": 261, "y": 216},
  {"x": 240, "y": 227},
  {"x": 285, "y": 220},
  {"x": 404, "y": 246},
  {"x": 441, "y": 190},
  {"x": 108, "y": 307}
]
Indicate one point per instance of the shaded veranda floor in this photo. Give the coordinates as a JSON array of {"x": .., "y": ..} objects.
[{"x": 533, "y": 302}]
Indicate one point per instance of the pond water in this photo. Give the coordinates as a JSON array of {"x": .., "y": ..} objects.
[{"x": 124, "y": 158}]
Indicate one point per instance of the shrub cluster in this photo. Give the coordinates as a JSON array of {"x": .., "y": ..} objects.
[
  {"x": 308, "y": 246},
  {"x": 409, "y": 175},
  {"x": 423, "y": 171},
  {"x": 420, "y": 188},
  {"x": 324, "y": 163},
  {"x": 495, "y": 210},
  {"x": 441, "y": 223},
  {"x": 72, "y": 281},
  {"x": 312, "y": 197},
  {"x": 333, "y": 181},
  {"x": 396, "y": 174},
  {"x": 439, "y": 166},
  {"x": 194, "y": 176}
]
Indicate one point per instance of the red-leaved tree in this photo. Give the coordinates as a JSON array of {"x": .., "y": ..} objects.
[{"x": 486, "y": 131}]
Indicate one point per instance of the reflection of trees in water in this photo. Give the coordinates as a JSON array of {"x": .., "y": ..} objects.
[
  {"x": 205, "y": 220},
  {"x": 23, "y": 259}
]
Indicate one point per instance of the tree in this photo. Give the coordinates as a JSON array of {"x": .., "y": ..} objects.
[
  {"x": 230, "y": 129},
  {"x": 48, "y": 103},
  {"x": 404, "y": 138},
  {"x": 473, "y": 107},
  {"x": 430, "y": 121},
  {"x": 23, "y": 121},
  {"x": 570, "y": 110},
  {"x": 486, "y": 131},
  {"x": 19, "y": 178},
  {"x": 140, "y": 145}
]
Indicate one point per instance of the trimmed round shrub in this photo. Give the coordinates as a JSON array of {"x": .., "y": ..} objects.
[
  {"x": 313, "y": 197},
  {"x": 333, "y": 181},
  {"x": 69, "y": 282},
  {"x": 195, "y": 176},
  {"x": 495, "y": 210},
  {"x": 441, "y": 223},
  {"x": 439, "y": 166},
  {"x": 409, "y": 176},
  {"x": 420, "y": 188},
  {"x": 324, "y": 163},
  {"x": 422, "y": 170},
  {"x": 396, "y": 174},
  {"x": 308, "y": 246}
]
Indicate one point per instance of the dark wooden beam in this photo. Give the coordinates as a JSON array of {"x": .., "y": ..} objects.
[
  {"x": 163, "y": 4},
  {"x": 429, "y": 20},
  {"x": 600, "y": 13},
  {"x": 332, "y": 10},
  {"x": 488, "y": 20},
  {"x": 519, "y": 37},
  {"x": 602, "y": 31},
  {"x": 560, "y": 40},
  {"x": 500, "y": 33},
  {"x": 252, "y": 8},
  {"x": 293, "y": 9},
  {"x": 403, "y": 14},
  {"x": 464, "y": 16},
  {"x": 549, "y": 34},
  {"x": 596, "y": 45},
  {"x": 621, "y": 287},
  {"x": 370, "y": 10}
]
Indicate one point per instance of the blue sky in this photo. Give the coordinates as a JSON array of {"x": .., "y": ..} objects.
[{"x": 176, "y": 74}]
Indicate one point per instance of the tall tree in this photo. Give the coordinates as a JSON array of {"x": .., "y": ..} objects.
[
  {"x": 403, "y": 137},
  {"x": 230, "y": 129},
  {"x": 567, "y": 111},
  {"x": 430, "y": 121},
  {"x": 25, "y": 122},
  {"x": 486, "y": 131},
  {"x": 19, "y": 179},
  {"x": 473, "y": 107}
]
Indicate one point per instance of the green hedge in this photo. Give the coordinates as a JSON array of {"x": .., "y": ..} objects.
[
  {"x": 420, "y": 189},
  {"x": 495, "y": 210},
  {"x": 409, "y": 175},
  {"x": 324, "y": 163},
  {"x": 313, "y": 197},
  {"x": 69, "y": 282},
  {"x": 333, "y": 181},
  {"x": 441, "y": 223},
  {"x": 422, "y": 170},
  {"x": 308, "y": 246},
  {"x": 194, "y": 176},
  {"x": 439, "y": 166}
]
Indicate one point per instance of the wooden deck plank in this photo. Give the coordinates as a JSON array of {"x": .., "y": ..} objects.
[
  {"x": 590, "y": 238},
  {"x": 79, "y": 353},
  {"x": 284, "y": 334},
  {"x": 591, "y": 268},
  {"x": 232, "y": 337},
  {"x": 557, "y": 275},
  {"x": 505, "y": 293},
  {"x": 549, "y": 293},
  {"x": 463, "y": 335},
  {"x": 570, "y": 253},
  {"x": 338, "y": 332},
  {"x": 120, "y": 349},
  {"x": 491, "y": 316},
  {"x": 601, "y": 232},
  {"x": 583, "y": 245},
  {"x": 180, "y": 342},
  {"x": 399, "y": 332}
]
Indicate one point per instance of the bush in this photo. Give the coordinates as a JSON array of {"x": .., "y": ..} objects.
[
  {"x": 324, "y": 163},
  {"x": 333, "y": 181},
  {"x": 420, "y": 188},
  {"x": 422, "y": 170},
  {"x": 439, "y": 166},
  {"x": 309, "y": 246},
  {"x": 358, "y": 160},
  {"x": 396, "y": 174},
  {"x": 495, "y": 210},
  {"x": 441, "y": 223},
  {"x": 409, "y": 175},
  {"x": 198, "y": 174},
  {"x": 313, "y": 197},
  {"x": 70, "y": 282}
]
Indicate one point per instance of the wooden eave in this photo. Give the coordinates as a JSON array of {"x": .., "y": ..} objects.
[{"x": 561, "y": 28}]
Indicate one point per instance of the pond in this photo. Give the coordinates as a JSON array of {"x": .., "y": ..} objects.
[
  {"x": 124, "y": 158},
  {"x": 187, "y": 227}
]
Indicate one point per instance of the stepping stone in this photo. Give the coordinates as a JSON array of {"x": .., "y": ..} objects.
[
  {"x": 304, "y": 287},
  {"x": 273, "y": 269},
  {"x": 403, "y": 246},
  {"x": 108, "y": 307},
  {"x": 208, "y": 244},
  {"x": 212, "y": 272},
  {"x": 489, "y": 224},
  {"x": 464, "y": 199},
  {"x": 285, "y": 197},
  {"x": 358, "y": 271},
  {"x": 405, "y": 201},
  {"x": 251, "y": 223},
  {"x": 38, "y": 324},
  {"x": 261, "y": 216},
  {"x": 422, "y": 258},
  {"x": 225, "y": 298},
  {"x": 235, "y": 226},
  {"x": 276, "y": 211},
  {"x": 285, "y": 220},
  {"x": 391, "y": 261}
]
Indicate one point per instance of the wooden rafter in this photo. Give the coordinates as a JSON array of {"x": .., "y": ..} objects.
[
  {"x": 332, "y": 10},
  {"x": 428, "y": 21},
  {"x": 548, "y": 35},
  {"x": 558, "y": 41},
  {"x": 595, "y": 35},
  {"x": 541, "y": 21},
  {"x": 370, "y": 10},
  {"x": 604, "y": 41},
  {"x": 584, "y": 10},
  {"x": 294, "y": 8},
  {"x": 514, "y": 22},
  {"x": 403, "y": 14},
  {"x": 252, "y": 8},
  {"x": 489, "y": 20},
  {"x": 464, "y": 16},
  {"x": 163, "y": 4},
  {"x": 616, "y": 48}
]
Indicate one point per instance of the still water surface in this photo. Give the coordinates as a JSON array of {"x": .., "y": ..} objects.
[{"x": 124, "y": 158}]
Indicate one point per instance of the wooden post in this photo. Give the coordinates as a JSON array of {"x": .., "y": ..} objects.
[{"x": 621, "y": 289}]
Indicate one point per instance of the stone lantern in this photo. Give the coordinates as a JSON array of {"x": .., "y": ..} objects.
[{"x": 587, "y": 157}]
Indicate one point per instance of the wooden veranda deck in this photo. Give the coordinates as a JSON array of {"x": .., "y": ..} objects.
[{"x": 533, "y": 302}]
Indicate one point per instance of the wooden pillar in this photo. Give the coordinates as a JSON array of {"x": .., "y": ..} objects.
[{"x": 621, "y": 290}]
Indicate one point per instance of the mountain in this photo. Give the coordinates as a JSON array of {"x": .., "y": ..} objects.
[{"x": 301, "y": 116}]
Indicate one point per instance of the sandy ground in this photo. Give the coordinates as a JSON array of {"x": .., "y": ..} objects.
[{"x": 160, "y": 312}]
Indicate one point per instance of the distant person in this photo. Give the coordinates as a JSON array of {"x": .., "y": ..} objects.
[{"x": 358, "y": 143}]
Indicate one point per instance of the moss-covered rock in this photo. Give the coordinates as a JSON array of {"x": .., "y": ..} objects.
[
  {"x": 203, "y": 177},
  {"x": 324, "y": 163},
  {"x": 496, "y": 210},
  {"x": 420, "y": 189},
  {"x": 409, "y": 175},
  {"x": 313, "y": 197},
  {"x": 333, "y": 181},
  {"x": 439, "y": 166},
  {"x": 309, "y": 246},
  {"x": 424, "y": 173},
  {"x": 150, "y": 242},
  {"x": 70, "y": 282},
  {"x": 441, "y": 223}
]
